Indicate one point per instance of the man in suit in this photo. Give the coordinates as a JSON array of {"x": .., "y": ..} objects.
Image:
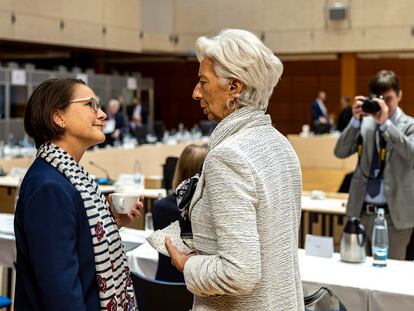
[
  {"x": 389, "y": 182},
  {"x": 320, "y": 118},
  {"x": 345, "y": 115},
  {"x": 138, "y": 116}
]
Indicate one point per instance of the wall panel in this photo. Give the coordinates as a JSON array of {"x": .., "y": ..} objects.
[
  {"x": 48, "y": 8},
  {"x": 7, "y": 29},
  {"x": 37, "y": 28},
  {"x": 245, "y": 14},
  {"x": 195, "y": 16},
  {"x": 122, "y": 39},
  {"x": 123, "y": 13},
  {"x": 91, "y": 11}
]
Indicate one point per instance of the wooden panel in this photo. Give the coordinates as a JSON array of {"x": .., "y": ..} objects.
[
  {"x": 390, "y": 12},
  {"x": 327, "y": 180},
  {"x": 82, "y": 34},
  {"x": 122, "y": 39},
  {"x": 284, "y": 15},
  {"x": 151, "y": 157},
  {"x": 245, "y": 14},
  {"x": 156, "y": 42},
  {"x": 45, "y": 8},
  {"x": 186, "y": 42},
  {"x": 117, "y": 161},
  {"x": 6, "y": 5},
  {"x": 7, "y": 199},
  {"x": 37, "y": 28},
  {"x": 6, "y": 26},
  {"x": 195, "y": 16},
  {"x": 90, "y": 11},
  {"x": 317, "y": 152},
  {"x": 125, "y": 13},
  {"x": 348, "y": 75}
]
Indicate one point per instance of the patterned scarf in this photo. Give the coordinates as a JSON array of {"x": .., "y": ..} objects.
[{"x": 115, "y": 284}]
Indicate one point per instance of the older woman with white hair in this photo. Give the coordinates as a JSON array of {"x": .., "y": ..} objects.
[{"x": 245, "y": 212}]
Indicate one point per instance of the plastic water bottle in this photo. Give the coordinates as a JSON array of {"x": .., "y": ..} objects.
[
  {"x": 138, "y": 177},
  {"x": 380, "y": 240}
]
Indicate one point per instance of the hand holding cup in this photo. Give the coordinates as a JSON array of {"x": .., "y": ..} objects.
[{"x": 126, "y": 207}]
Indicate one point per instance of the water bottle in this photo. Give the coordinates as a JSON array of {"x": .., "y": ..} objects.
[
  {"x": 138, "y": 177},
  {"x": 380, "y": 240}
]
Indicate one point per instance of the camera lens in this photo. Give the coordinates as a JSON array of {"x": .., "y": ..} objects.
[{"x": 370, "y": 106}]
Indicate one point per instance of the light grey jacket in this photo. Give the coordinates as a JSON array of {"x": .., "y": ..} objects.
[
  {"x": 245, "y": 216},
  {"x": 398, "y": 172}
]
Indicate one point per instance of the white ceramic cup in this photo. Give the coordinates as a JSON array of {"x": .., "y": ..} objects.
[{"x": 124, "y": 202}]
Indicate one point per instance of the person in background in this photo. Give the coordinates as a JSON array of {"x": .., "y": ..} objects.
[
  {"x": 114, "y": 124},
  {"x": 320, "y": 117},
  {"x": 165, "y": 211},
  {"x": 345, "y": 115},
  {"x": 138, "y": 114},
  {"x": 245, "y": 212},
  {"x": 386, "y": 183},
  {"x": 138, "y": 120},
  {"x": 69, "y": 252}
]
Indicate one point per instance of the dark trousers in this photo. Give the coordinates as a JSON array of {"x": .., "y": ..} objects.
[{"x": 409, "y": 255}]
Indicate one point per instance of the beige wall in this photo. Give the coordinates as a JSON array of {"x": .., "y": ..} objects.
[
  {"x": 300, "y": 26},
  {"x": 289, "y": 27},
  {"x": 84, "y": 21}
]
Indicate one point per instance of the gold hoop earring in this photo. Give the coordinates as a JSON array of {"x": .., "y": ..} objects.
[{"x": 234, "y": 104}]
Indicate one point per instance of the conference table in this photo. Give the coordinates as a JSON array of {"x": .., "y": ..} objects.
[
  {"x": 150, "y": 195},
  {"x": 13, "y": 182},
  {"x": 360, "y": 287}
]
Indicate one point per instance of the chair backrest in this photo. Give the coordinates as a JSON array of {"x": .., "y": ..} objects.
[
  {"x": 323, "y": 299},
  {"x": 168, "y": 172},
  {"x": 4, "y": 302},
  {"x": 346, "y": 183},
  {"x": 160, "y": 295}
]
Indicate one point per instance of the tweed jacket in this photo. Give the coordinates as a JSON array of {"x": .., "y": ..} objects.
[
  {"x": 245, "y": 216},
  {"x": 398, "y": 172}
]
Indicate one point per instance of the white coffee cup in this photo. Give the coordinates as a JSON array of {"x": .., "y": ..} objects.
[{"x": 124, "y": 202}]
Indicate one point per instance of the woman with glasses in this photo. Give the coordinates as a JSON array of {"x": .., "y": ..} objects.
[{"x": 69, "y": 252}]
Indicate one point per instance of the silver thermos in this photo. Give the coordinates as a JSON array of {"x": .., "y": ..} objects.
[{"x": 353, "y": 239}]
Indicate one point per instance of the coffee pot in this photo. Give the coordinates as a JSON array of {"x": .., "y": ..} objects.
[{"x": 353, "y": 239}]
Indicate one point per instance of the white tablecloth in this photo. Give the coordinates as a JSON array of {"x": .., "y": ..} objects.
[
  {"x": 7, "y": 243},
  {"x": 143, "y": 259},
  {"x": 362, "y": 286},
  {"x": 359, "y": 286}
]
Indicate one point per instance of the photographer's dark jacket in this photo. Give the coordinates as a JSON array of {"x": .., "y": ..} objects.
[{"x": 398, "y": 172}]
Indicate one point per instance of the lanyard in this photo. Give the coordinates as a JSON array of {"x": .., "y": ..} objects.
[{"x": 382, "y": 155}]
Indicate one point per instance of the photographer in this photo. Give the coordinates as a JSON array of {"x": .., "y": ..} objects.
[{"x": 380, "y": 127}]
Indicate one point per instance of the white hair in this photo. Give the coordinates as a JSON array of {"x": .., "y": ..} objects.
[
  {"x": 239, "y": 54},
  {"x": 114, "y": 103}
]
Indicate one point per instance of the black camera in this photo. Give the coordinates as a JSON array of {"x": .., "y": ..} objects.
[{"x": 370, "y": 106}]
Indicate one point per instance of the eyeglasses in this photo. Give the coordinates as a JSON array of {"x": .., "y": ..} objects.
[{"x": 92, "y": 102}]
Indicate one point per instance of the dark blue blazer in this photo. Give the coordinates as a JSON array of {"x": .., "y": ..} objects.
[
  {"x": 316, "y": 111},
  {"x": 164, "y": 212},
  {"x": 55, "y": 267}
]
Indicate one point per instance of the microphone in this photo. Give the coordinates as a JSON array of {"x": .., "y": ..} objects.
[{"x": 103, "y": 180}]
